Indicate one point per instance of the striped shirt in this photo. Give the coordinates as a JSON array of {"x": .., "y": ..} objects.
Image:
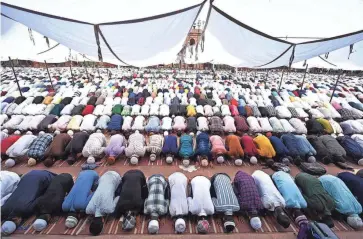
[{"x": 223, "y": 197}]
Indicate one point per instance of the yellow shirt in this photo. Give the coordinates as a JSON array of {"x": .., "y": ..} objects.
[
  {"x": 326, "y": 124},
  {"x": 191, "y": 111},
  {"x": 47, "y": 100},
  {"x": 264, "y": 146}
]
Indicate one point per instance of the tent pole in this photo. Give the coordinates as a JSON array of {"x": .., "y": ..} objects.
[
  {"x": 16, "y": 78},
  {"x": 98, "y": 71},
  {"x": 50, "y": 79},
  {"x": 70, "y": 67},
  {"x": 86, "y": 69},
  {"x": 267, "y": 75},
  {"x": 335, "y": 86},
  {"x": 282, "y": 76},
  {"x": 302, "y": 84}
]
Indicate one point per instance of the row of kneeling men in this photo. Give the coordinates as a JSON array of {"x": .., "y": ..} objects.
[{"x": 45, "y": 194}]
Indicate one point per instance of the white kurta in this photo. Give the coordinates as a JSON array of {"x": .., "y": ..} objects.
[
  {"x": 20, "y": 147},
  {"x": 201, "y": 203},
  {"x": 270, "y": 196},
  {"x": 178, "y": 201},
  {"x": 8, "y": 183}
]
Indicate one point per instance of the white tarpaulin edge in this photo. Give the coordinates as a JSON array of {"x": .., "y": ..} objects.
[
  {"x": 117, "y": 37},
  {"x": 231, "y": 42}
]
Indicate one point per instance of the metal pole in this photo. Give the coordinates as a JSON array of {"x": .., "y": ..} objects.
[
  {"x": 282, "y": 76},
  {"x": 70, "y": 66},
  {"x": 16, "y": 78},
  {"x": 98, "y": 70},
  {"x": 86, "y": 69},
  {"x": 50, "y": 79},
  {"x": 336, "y": 84},
  {"x": 302, "y": 84},
  {"x": 267, "y": 75}
]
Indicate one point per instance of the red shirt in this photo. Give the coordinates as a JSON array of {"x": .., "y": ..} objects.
[
  {"x": 234, "y": 102},
  {"x": 6, "y": 143},
  {"x": 249, "y": 146},
  {"x": 88, "y": 110}
]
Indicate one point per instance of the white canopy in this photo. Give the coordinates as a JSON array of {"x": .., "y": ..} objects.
[
  {"x": 138, "y": 42},
  {"x": 141, "y": 36}
]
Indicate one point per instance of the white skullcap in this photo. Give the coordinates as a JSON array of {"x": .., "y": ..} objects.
[
  {"x": 253, "y": 160},
  {"x": 169, "y": 159},
  {"x": 91, "y": 160},
  {"x": 180, "y": 225},
  {"x": 9, "y": 163},
  {"x": 166, "y": 133},
  {"x": 255, "y": 223},
  {"x": 220, "y": 159},
  {"x": 311, "y": 159},
  {"x": 134, "y": 160},
  {"x": 17, "y": 132},
  {"x": 153, "y": 227},
  {"x": 238, "y": 162},
  {"x": 152, "y": 157}
]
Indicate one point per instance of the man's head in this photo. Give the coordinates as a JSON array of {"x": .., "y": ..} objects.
[
  {"x": 96, "y": 226},
  {"x": 228, "y": 223}
]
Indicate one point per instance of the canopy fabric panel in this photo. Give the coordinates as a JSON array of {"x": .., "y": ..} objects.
[
  {"x": 149, "y": 41},
  {"x": 16, "y": 43},
  {"x": 243, "y": 46},
  {"x": 78, "y": 36},
  {"x": 139, "y": 42}
]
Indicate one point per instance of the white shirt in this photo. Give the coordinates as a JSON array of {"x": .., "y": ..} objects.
[
  {"x": 164, "y": 110},
  {"x": 124, "y": 101},
  {"x": 201, "y": 204},
  {"x": 102, "y": 122},
  {"x": 265, "y": 124},
  {"x": 208, "y": 110},
  {"x": 270, "y": 196},
  {"x": 127, "y": 123},
  {"x": 3, "y": 119},
  {"x": 298, "y": 125},
  {"x": 178, "y": 188},
  {"x": 200, "y": 109},
  {"x": 14, "y": 121},
  {"x": 107, "y": 110},
  {"x": 136, "y": 110},
  {"x": 139, "y": 123},
  {"x": 88, "y": 123},
  {"x": 202, "y": 124},
  {"x": 145, "y": 110},
  {"x": 67, "y": 109},
  {"x": 154, "y": 109},
  {"x": 61, "y": 123},
  {"x": 8, "y": 183},
  {"x": 166, "y": 123},
  {"x": 99, "y": 110},
  {"x": 179, "y": 123},
  {"x": 20, "y": 147},
  {"x": 225, "y": 110},
  {"x": 283, "y": 112},
  {"x": 287, "y": 126},
  {"x": 33, "y": 124},
  {"x": 229, "y": 125},
  {"x": 253, "y": 124}
]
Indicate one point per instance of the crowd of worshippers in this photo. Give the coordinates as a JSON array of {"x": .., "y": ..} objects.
[
  {"x": 193, "y": 120},
  {"x": 200, "y": 120},
  {"x": 47, "y": 194}
]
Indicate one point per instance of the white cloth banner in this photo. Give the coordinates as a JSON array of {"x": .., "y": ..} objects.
[
  {"x": 141, "y": 42},
  {"x": 228, "y": 41}
]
